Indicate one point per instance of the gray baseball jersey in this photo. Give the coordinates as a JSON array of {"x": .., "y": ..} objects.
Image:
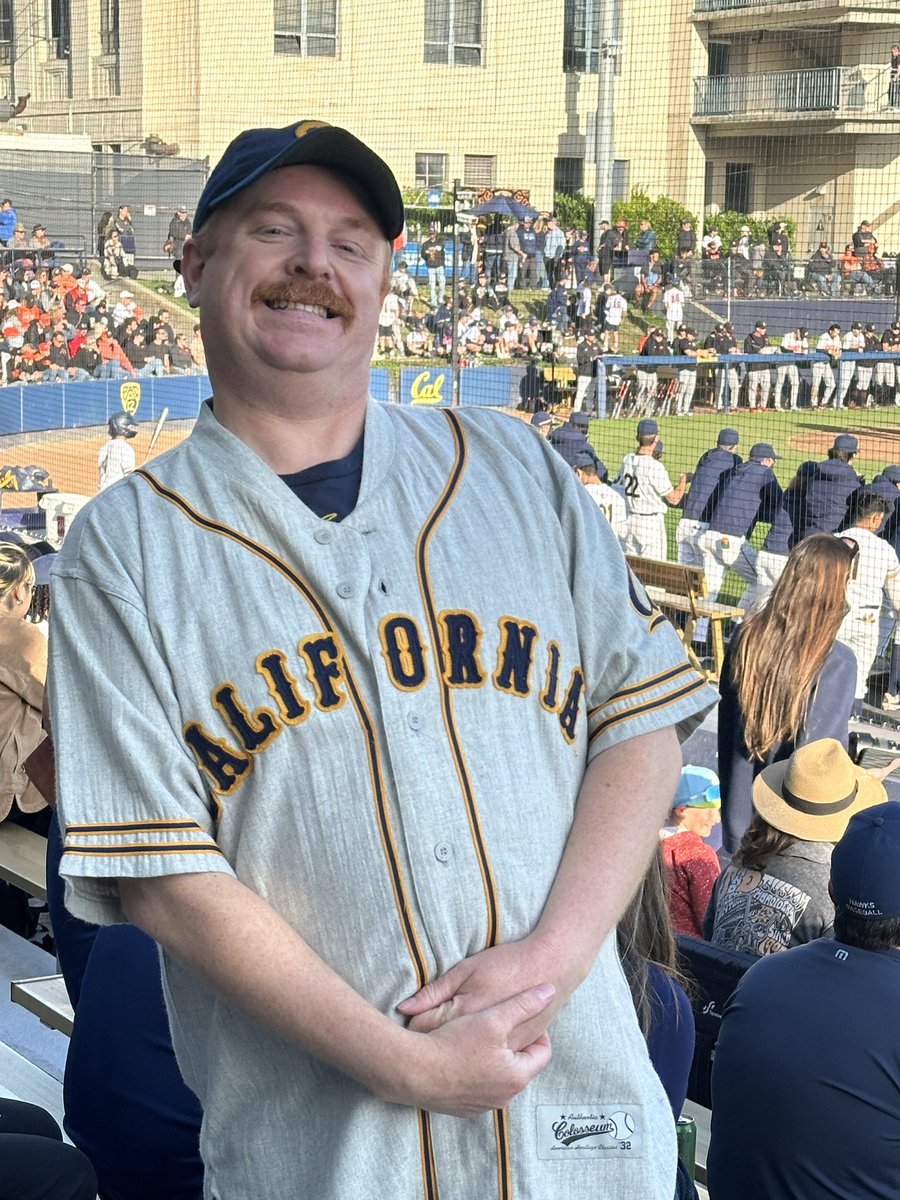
[
  {"x": 381, "y": 726},
  {"x": 644, "y": 482}
]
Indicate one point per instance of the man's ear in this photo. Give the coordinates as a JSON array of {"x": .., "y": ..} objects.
[{"x": 192, "y": 264}]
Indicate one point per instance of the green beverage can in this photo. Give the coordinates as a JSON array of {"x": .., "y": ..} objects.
[{"x": 687, "y": 1143}]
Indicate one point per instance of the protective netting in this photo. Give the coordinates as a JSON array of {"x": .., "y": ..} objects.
[{"x": 743, "y": 156}]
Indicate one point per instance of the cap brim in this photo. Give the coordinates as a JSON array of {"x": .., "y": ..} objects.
[{"x": 819, "y": 827}]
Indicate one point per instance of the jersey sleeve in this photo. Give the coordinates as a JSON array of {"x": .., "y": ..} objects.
[{"x": 131, "y": 800}]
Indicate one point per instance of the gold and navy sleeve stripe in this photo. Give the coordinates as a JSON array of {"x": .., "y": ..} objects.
[
  {"x": 655, "y": 694},
  {"x": 153, "y": 837}
]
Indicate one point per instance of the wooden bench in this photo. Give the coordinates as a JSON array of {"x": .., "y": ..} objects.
[
  {"x": 47, "y": 998},
  {"x": 23, "y": 859},
  {"x": 676, "y": 588}
]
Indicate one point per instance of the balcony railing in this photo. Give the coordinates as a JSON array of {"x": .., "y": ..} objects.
[
  {"x": 847, "y": 91},
  {"x": 726, "y": 5}
]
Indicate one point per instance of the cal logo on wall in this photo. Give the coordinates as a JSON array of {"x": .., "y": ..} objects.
[
  {"x": 426, "y": 386},
  {"x": 130, "y": 396}
]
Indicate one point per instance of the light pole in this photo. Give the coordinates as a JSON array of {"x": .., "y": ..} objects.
[{"x": 605, "y": 120}]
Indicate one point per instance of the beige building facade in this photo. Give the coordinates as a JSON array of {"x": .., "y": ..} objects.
[{"x": 770, "y": 107}]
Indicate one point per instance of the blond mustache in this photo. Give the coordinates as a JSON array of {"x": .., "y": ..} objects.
[{"x": 297, "y": 292}]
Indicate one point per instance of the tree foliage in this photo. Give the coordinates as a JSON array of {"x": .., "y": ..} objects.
[
  {"x": 664, "y": 213},
  {"x": 576, "y": 211}
]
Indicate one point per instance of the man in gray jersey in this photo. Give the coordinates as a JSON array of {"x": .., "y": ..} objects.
[{"x": 370, "y": 917}]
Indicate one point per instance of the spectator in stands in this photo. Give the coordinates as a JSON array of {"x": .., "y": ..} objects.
[
  {"x": 198, "y": 351},
  {"x": 180, "y": 358},
  {"x": 778, "y": 271},
  {"x": 554, "y": 245},
  {"x": 87, "y": 357},
  {"x": 786, "y": 679},
  {"x": 822, "y": 273},
  {"x": 57, "y": 360},
  {"x": 621, "y": 244},
  {"x": 126, "y": 306},
  {"x": 809, "y": 1046},
  {"x": 863, "y": 238},
  {"x": 692, "y": 866},
  {"x": 8, "y": 222},
  {"x": 649, "y": 957},
  {"x": 124, "y": 226},
  {"x": 774, "y": 893},
  {"x": 18, "y": 243},
  {"x": 687, "y": 239},
  {"x": 894, "y": 84},
  {"x": 35, "y": 1163},
  {"x": 852, "y": 274},
  {"x": 180, "y": 228},
  {"x": 405, "y": 287},
  {"x": 39, "y": 243},
  {"x": 114, "y": 362},
  {"x": 650, "y": 281},
  {"x": 874, "y": 267},
  {"x": 23, "y": 674},
  {"x": 114, "y": 264}
]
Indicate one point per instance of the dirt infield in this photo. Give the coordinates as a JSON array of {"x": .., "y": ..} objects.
[
  {"x": 70, "y": 455},
  {"x": 878, "y": 442}
]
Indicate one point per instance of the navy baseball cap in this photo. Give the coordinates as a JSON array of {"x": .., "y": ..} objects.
[
  {"x": 581, "y": 419},
  {"x": 728, "y": 437},
  {"x": 865, "y": 864},
  {"x": 647, "y": 428},
  {"x": 584, "y": 461},
  {"x": 763, "y": 450},
  {"x": 846, "y": 443},
  {"x": 255, "y": 152},
  {"x": 541, "y": 418},
  {"x": 891, "y": 473}
]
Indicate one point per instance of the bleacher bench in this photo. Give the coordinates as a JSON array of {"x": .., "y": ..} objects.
[
  {"x": 23, "y": 859},
  {"x": 677, "y": 588},
  {"x": 46, "y": 997}
]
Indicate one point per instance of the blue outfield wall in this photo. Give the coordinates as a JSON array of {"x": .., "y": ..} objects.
[
  {"x": 40, "y": 406},
  {"x": 486, "y": 386}
]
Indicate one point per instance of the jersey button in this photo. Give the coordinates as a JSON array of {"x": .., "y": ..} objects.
[
  {"x": 345, "y": 590},
  {"x": 442, "y": 852},
  {"x": 324, "y": 536},
  {"x": 414, "y": 721}
]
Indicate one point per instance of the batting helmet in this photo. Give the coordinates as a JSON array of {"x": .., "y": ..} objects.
[
  {"x": 35, "y": 479},
  {"x": 122, "y": 424}
]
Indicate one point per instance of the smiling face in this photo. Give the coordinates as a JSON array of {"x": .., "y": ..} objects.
[{"x": 291, "y": 279}]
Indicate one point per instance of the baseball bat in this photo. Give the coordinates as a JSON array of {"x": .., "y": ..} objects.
[{"x": 163, "y": 416}]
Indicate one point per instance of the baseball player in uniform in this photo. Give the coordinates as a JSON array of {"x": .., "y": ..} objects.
[
  {"x": 792, "y": 344},
  {"x": 594, "y": 475},
  {"x": 713, "y": 464},
  {"x": 886, "y": 371},
  {"x": 750, "y": 493},
  {"x": 823, "y": 382},
  {"x": 854, "y": 340},
  {"x": 115, "y": 459},
  {"x": 369, "y": 919},
  {"x": 876, "y": 577},
  {"x": 645, "y": 484},
  {"x": 829, "y": 488}
]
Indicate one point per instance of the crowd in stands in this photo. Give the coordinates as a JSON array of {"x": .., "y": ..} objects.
[{"x": 59, "y": 327}]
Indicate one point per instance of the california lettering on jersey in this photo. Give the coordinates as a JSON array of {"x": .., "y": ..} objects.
[{"x": 520, "y": 668}]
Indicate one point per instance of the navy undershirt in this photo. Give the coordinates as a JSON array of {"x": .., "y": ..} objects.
[{"x": 330, "y": 489}]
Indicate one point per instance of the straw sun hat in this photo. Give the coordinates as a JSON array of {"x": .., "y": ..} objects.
[{"x": 813, "y": 794}]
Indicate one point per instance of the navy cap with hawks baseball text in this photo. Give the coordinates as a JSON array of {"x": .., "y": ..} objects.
[
  {"x": 255, "y": 152},
  {"x": 541, "y": 418},
  {"x": 865, "y": 864},
  {"x": 762, "y": 450},
  {"x": 647, "y": 428}
]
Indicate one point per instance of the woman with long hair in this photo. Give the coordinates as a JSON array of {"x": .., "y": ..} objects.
[
  {"x": 785, "y": 680},
  {"x": 774, "y": 894}
]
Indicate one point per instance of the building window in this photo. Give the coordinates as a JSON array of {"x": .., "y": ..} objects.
[
  {"x": 60, "y": 28},
  {"x": 109, "y": 26},
  {"x": 453, "y": 32},
  {"x": 306, "y": 27},
  {"x": 738, "y": 187},
  {"x": 581, "y": 36},
  {"x": 431, "y": 170},
  {"x": 480, "y": 170},
  {"x": 621, "y": 178},
  {"x": 6, "y": 32},
  {"x": 568, "y": 175}
]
